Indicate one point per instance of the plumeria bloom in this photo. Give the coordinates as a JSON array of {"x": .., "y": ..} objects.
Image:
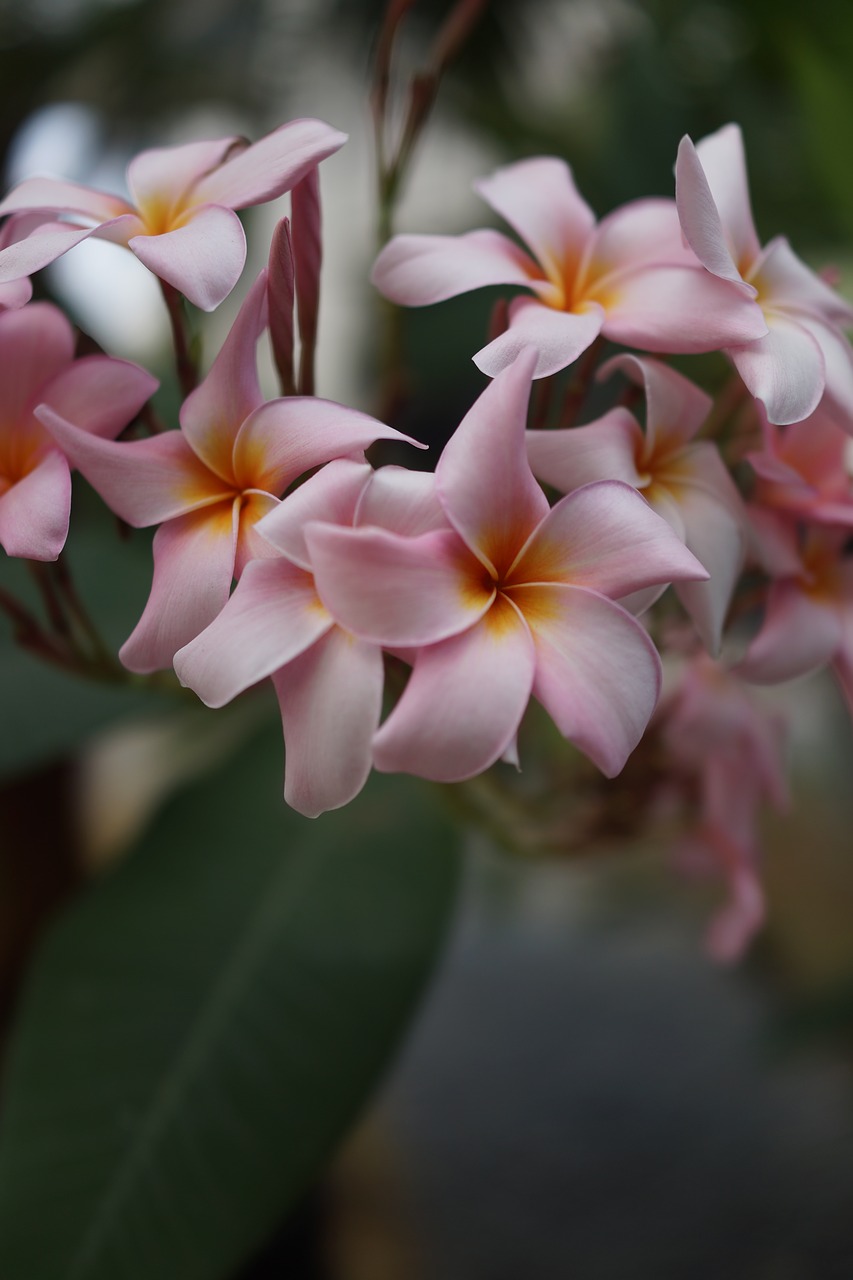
[
  {"x": 37, "y": 367},
  {"x": 629, "y": 278},
  {"x": 180, "y": 220},
  {"x": 724, "y": 744},
  {"x": 804, "y": 470},
  {"x": 804, "y": 354},
  {"x": 328, "y": 681},
  {"x": 507, "y": 600},
  {"x": 683, "y": 479},
  {"x": 209, "y": 483}
]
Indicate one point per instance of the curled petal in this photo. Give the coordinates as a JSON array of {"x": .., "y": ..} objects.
[
  {"x": 414, "y": 271},
  {"x": 202, "y": 258},
  {"x": 401, "y": 501},
  {"x": 675, "y": 406},
  {"x": 331, "y": 496},
  {"x": 607, "y": 449},
  {"x": 784, "y": 370},
  {"x": 799, "y": 635},
  {"x": 559, "y": 337},
  {"x": 724, "y": 164},
  {"x": 539, "y": 199},
  {"x": 701, "y": 218},
  {"x": 270, "y": 166},
  {"x": 679, "y": 309},
  {"x": 34, "y": 512}
]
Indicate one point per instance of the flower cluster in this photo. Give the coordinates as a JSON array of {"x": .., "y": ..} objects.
[{"x": 533, "y": 561}]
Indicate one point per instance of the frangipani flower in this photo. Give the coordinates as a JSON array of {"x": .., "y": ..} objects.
[
  {"x": 630, "y": 278},
  {"x": 509, "y": 599},
  {"x": 804, "y": 354},
  {"x": 180, "y": 221},
  {"x": 682, "y": 479},
  {"x": 209, "y": 483},
  {"x": 37, "y": 367},
  {"x": 328, "y": 682},
  {"x": 804, "y": 470}
]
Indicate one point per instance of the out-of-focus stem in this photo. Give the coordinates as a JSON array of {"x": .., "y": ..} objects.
[{"x": 184, "y": 362}]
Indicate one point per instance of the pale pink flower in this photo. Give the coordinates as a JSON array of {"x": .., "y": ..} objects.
[
  {"x": 100, "y": 394},
  {"x": 209, "y": 483},
  {"x": 803, "y": 470},
  {"x": 180, "y": 220},
  {"x": 682, "y": 479},
  {"x": 804, "y": 355},
  {"x": 629, "y": 278},
  {"x": 507, "y": 600}
]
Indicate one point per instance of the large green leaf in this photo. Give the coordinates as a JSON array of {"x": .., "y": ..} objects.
[{"x": 201, "y": 1028}]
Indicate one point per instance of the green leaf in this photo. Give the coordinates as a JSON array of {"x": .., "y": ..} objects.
[{"x": 201, "y": 1028}]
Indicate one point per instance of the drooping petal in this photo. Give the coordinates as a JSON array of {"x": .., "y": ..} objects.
[
  {"x": 606, "y": 449},
  {"x": 285, "y": 438},
  {"x": 783, "y": 280},
  {"x": 675, "y": 406},
  {"x": 463, "y": 703},
  {"x": 799, "y": 634},
  {"x": 539, "y": 199},
  {"x": 784, "y": 370},
  {"x": 331, "y": 700},
  {"x": 100, "y": 393},
  {"x": 414, "y": 271},
  {"x": 202, "y": 258},
  {"x": 678, "y": 309},
  {"x": 212, "y": 415},
  {"x": 598, "y": 674},
  {"x": 160, "y": 178},
  {"x": 398, "y": 591},
  {"x": 606, "y": 537},
  {"x": 483, "y": 479},
  {"x": 273, "y": 615},
  {"x": 270, "y": 166},
  {"x": 143, "y": 481},
  {"x": 331, "y": 496},
  {"x": 713, "y": 239},
  {"x": 55, "y": 195},
  {"x": 559, "y": 337},
  {"x": 401, "y": 501},
  {"x": 717, "y": 540},
  {"x": 193, "y": 568},
  {"x": 34, "y": 512},
  {"x": 36, "y": 344}
]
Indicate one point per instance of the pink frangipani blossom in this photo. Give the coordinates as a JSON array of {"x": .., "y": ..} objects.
[
  {"x": 180, "y": 221},
  {"x": 629, "y": 278},
  {"x": 804, "y": 470}
]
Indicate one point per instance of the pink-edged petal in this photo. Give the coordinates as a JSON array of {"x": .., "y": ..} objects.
[
  {"x": 273, "y": 615},
  {"x": 212, "y": 415},
  {"x": 706, "y": 231},
  {"x": 143, "y": 481},
  {"x": 193, "y": 568},
  {"x": 160, "y": 178},
  {"x": 558, "y": 337},
  {"x": 285, "y": 438},
  {"x": 331, "y": 700},
  {"x": 254, "y": 507},
  {"x": 598, "y": 674},
  {"x": 784, "y": 370},
  {"x": 25, "y": 257},
  {"x": 539, "y": 199},
  {"x": 401, "y": 501},
  {"x": 799, "y": 635},
  {"x": 723, "y": 161},
  {"x": 270, "y": 166},
  {"x": 15, "y": 293},
  {"x": 463, "y": 703},
  {"x": 675, "y": 406},
  {"x": 778, "y": 473},
  {"x": 678, "y": 309},
  {"x": 55, "y": 195},
  {"x": 398, "y": 591},
  {"x": 644, "y": 232},
  {"x": 100, "y": 393},
  {"x": 415, "y": 271},
  {"x": 331, "y": 496},
  {"x": 35, "y": 345},
  {"x": 202, "y": 258},
  {"x": 483, "y": 479},
  {"x": 605, "y": 537},
  {"x": 718, "y": 542},
  {"x": 783, "y": 280},
  {"x": 606, "y": 449},
  {"x": 838, "y": 368},
  {"x": 34, "y": 512}
]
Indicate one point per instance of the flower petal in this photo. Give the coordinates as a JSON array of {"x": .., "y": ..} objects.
[
  {"x": 559, "y": 337},
  {"x": 718, "y": 542},
  {"x": 679, "y": 309},
  {"x": 54, "y": 195},
  {"x": 715, "y": 231},
  {"x": 36, "y": 344},
  {"x": 606, "y": 449},
  {"x": 838, "y": 367},
  {"x": 100, "y": 393},
  {"x": 463, "y": 703},
  {"x": 331, "y": 496},
  {"x": 414, "y": 271},
  {"x": 160, "y": 178},
  {"x": 784, "y": 370},
  {"x": 34, "y": 512},
  {"x": 675, "y": 406},
  {"x": 799, "y": 634},
  {"x": 273, "y": 615},
  {"x": 643, "y": 232},
  {"x": 202, "y": 258},
  {"x": 783, "y": 280},
  {"x": 401, "y": 501},
  {"x": 270, "y": 166},
  {"x": 539, "y": 199}
]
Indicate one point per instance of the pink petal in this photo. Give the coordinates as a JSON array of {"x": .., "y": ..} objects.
[
  {"x": 57, "y": 196},
  {"x": 559, "y": 337},
  {"x": 160, "y": 178},
  {"x": 679, "y": 309},
  {"x": 713, "y": 237},
  {"x": 539, "y": 199},
  {"x": 331, "y": 700},
  {"x": 414, "y": 271},
  {"x": 675, "y": 406},
  {"x": 34, "y": 512},
  {"x": 483, "y": 479},
  {"x": 25, "y": 257},
  {"x": 784, "y": 370},
  {"x": 838, "y": 367},
  {"x": 212, "y": 415},
  {"x": 774, "y": 543},
  {"x": 285, "y": 438},
  {"x": 783, "y": 280},
  {"x": 273, "y": 615},
  {"x": 202, "y": 258},
  {"x": 718, "y": 542},
  {"x": 401, "y": 501},
  {"x": 254, "y": 507},
  {"x": 36, "y": 344},
  {"x": 100, "y": 394},
  {"x": 398, "y": 591},
  {"x": 270, "y": 166},
  {"x": 463, "y": 703},
  {"x": 143, "y": 481},
  {"x": 193, "y": 568},
  {"x": 644, "y": 232},
  {"x": 598, "y": 674},
  {"x": 15, "y": 293},
  {"x": 606, "y": 537},
  {"x": 331, "y": 496},
  {"x": 799, "y": 634},
  {"x": 700, "y": 466},
  {"x": 606, "y": 449},
  {"x": 723, "y": 161}
]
